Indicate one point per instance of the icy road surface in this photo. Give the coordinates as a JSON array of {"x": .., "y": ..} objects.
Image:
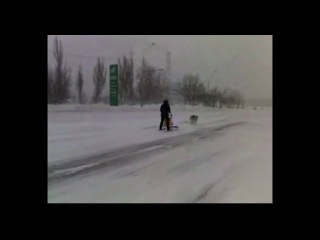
[{"x": 226, "y": 158}]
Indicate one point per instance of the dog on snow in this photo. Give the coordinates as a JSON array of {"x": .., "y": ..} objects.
[{"x": 194, "y": 119}]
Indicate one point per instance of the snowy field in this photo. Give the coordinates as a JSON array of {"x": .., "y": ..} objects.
[{"x": 117, "y": 155}]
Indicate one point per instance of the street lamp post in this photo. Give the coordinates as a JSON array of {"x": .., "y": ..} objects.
[
  {"x": 168, "y": 90},
  {"x": 209, "y": 84},
  {"x": 142, "y": 74}
]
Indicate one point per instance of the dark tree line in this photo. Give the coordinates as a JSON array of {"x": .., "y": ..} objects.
[
  {"x": 59, "y": 79},
  {"x": 150, "y": 88},
  {"x": 194, "y": 92}
]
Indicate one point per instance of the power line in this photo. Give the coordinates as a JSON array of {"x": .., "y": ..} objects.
[
  {"x": 95, "y": 58},
  {"x": 91, "y": 57},
  {"x": 82, "y": 56},
  {"x": 113, "y": 58}
]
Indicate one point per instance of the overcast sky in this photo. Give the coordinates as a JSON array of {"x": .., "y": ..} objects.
[{"x": 244, "y": 62}]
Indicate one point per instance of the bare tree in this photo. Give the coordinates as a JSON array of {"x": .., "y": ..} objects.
[
  {"x": 192, "y": 89},
  {"x": 141, "y": 87},
  {"x": 230, "y": 98},
  {"x": 49, "y": 85},
  {"x": 79, "y": 86},
  {"x": 200, "y": 94},
  {"x": 121, "y": 79},
  {"x": 221, "y": 98},
  {"x": 213, "y": 97},
  {"x": 227, "y": 98},
  {"x": 235, "y": 97},
  {"x": 151, "y": 85},
  {"x": 125, "y": 79},
  {"x": 62, "y": 78},
  {"x": 131, "y": 80},
  {"x": 158, "y": 87},
  {"x": 99, "y": 79}
]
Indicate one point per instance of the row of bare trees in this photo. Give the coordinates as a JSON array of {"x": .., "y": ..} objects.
[
  {"x": 194, "y": 92},
  {"x": 150, "y": 88},
  {"x": 59, "y": 79},
  {"x": 192, "y": 89},
  {"x": 126, "y": 80}
]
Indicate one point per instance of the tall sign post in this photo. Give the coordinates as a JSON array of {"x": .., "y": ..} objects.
[{"x": 114, "y": 84}]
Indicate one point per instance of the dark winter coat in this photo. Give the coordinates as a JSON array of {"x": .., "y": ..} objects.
[{"x": 165, "y": 109}]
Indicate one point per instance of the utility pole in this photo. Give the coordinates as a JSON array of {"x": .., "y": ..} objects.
[
  {"x": 208, "y": 87},
  {"x": 143, "y": 90},
  {"x": 168, "y": 75}
]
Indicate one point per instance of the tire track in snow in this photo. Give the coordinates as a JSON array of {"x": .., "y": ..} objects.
[{"x": 127, "y": 155}]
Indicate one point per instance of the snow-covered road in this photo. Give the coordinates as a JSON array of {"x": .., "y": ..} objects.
[{"x": 226, "y": 158}]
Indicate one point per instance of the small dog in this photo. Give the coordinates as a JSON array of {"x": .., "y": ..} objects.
[{"x": 194, "y": 119}]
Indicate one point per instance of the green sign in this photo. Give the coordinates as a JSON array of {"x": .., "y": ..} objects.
[{"x": 114, "y": 87}]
